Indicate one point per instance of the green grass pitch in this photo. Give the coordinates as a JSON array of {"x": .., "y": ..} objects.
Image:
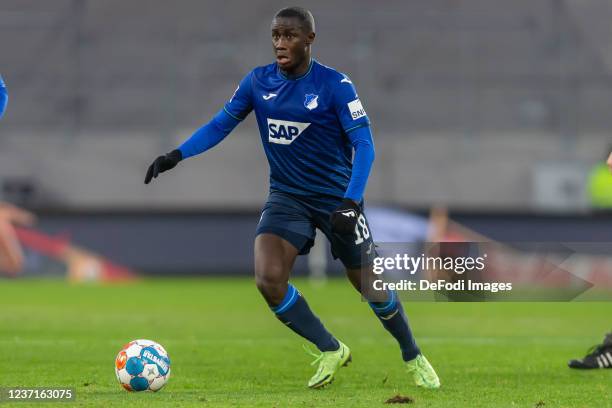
[{"x": 227, "y": 349}]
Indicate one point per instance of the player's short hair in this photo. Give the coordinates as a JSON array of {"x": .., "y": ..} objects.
[{"x": 304, "y": 16}]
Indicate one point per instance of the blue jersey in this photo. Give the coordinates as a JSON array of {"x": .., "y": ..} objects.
[{"x": 303, "y": 123}]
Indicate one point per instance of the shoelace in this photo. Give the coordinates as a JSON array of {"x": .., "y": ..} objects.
[
  {"x": 418, "y": 364},
  {"x": 317, "y": 357},
  {"x": 594, "y": 350}
]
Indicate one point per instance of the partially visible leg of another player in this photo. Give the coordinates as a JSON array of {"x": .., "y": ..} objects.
[
  {"x": 391, "y": 314},
  {"x": 274, "y": 259}
]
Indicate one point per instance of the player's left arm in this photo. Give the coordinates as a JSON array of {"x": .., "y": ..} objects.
[
  {"x": 610, "y": 161},
  {"x": 356, "y": 125},
  {"x": 363, "y": 143},
  {"x": 3, "y": 97}
]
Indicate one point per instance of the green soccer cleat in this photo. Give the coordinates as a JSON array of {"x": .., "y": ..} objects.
[
  {"x": 423, "y": 373},
  {"x": 329, "y": 364}
]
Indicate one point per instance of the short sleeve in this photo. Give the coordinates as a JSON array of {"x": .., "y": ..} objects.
[
  {"x": 348, "y": 106},
  {"x": 240, "y": 104}
]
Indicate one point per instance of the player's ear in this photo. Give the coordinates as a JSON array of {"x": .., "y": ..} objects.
[{"x": 310, "y": 37}]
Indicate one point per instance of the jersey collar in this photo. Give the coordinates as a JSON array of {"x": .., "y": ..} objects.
[{"x": 305, "y": 74}]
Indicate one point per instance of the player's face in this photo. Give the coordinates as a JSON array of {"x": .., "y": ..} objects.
[{"x": 291, "y": 43}]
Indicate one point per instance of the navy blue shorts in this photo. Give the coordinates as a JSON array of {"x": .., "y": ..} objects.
[{"x": 295, "y": 218}]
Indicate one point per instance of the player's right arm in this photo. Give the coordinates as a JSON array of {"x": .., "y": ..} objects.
[
  {"x": 209, "y": 135},
  {"x": 610, "y": 161},
  {"x": 3, "y": 97}
]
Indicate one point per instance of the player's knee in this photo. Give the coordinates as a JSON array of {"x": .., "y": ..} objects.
[{"x": 271, "y": 285}]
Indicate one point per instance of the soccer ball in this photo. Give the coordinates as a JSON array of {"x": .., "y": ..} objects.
[{"x": 142, "y": 365}]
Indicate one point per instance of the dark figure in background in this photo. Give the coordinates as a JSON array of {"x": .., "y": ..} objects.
[{"x": 598, "y": 356}]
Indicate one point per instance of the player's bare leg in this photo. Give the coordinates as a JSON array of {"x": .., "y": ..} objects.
[
  {"x": 274, "y": 258},
  {"x": 11, "y": 254},
  {"x": 391, "y": 314}
]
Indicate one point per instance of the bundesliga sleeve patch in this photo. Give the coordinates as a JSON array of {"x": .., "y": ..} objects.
[{"x": 356, "y": 109}]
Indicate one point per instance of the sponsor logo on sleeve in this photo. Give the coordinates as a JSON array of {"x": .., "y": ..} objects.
[{"x": 356, "y": 109}]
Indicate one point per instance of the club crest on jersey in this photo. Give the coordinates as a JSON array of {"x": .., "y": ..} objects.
[
  {"x": 311, "y": 101},
  {"x": 283, "y": 131}
]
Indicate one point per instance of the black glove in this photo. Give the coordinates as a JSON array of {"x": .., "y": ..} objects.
[
  {"x": 344, "y": 218},
  {"x": 163, "y": 163}
]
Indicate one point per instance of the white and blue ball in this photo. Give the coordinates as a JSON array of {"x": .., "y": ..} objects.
[{"x": 142, "y": 365}]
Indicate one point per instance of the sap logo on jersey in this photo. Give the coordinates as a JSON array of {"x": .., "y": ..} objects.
[
  {"x": 283, "y": 131},
  {"x": 356, "y": 109}
]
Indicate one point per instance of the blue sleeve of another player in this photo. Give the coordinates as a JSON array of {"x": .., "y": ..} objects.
[
  {"x": 3, "y": 97},
  {"x": 209, "y": 135},
  {"x": 361, "y": 139}
]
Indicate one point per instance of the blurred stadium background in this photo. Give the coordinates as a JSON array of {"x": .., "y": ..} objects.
[{"x": 499, "y": 112}]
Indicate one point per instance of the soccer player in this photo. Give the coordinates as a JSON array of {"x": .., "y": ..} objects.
[
  {"x": 598, "y": 356},
  {"x": 311, "y": 122},
  {"x": 3, "y": 97},
  {"x": 599, "y": 184}
]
